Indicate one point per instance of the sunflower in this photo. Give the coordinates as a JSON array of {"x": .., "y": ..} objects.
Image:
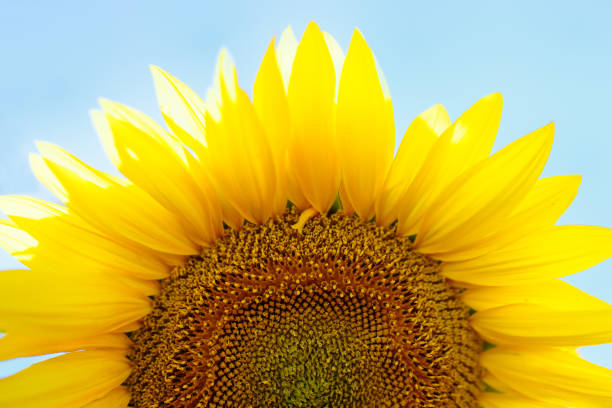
[{"x": 272, "y": 252}]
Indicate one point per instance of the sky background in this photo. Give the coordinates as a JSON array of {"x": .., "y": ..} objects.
[{"x": 552, "y": 61}]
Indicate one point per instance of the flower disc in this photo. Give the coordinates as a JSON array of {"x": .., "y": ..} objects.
[{"x": 342, "y": 314}]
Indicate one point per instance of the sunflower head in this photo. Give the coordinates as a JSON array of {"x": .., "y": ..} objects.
[{"x": 269, "y": 249}]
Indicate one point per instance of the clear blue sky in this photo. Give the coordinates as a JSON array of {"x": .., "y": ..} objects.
[{"x": 552, "y": 60}]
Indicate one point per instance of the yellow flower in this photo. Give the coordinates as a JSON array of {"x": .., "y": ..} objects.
[{"x": 428, "y": 279}]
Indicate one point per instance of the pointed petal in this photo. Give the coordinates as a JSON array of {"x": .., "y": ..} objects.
[
  {"x": 313, "y": 155},
  {"x": 285, "y": 53},
  {"x": 465, "y": 143},
  {"x": 14, "y": 240},
  {"x": 182, "y": 109},
  {"x": 236, "y": 136},
  {"x": 231, "y": 216},
  {"x": 15, "y": 345},
  {"x": 270, "y": 102},
  {"x": 68, "y": 381},
  {"x": 551, "y": 253},
  {"x": 120, "y": 209},
  {"x": 364, "y": 127},
  {"x": 555, "y": 376},
  {"x": 554, "y": 294},
  {"x": 484, "y": 196},
  {"x": 541, "y": 208},
  {"x": 46, "y": 177},
  {"x": 494, "y": 400},
  {"x": 119, "y": 397},
  {"x": 528, "y": 324},
  {"x": 493, "y": 382},
  {"x": 86, "y": 248},
  {"x": 157, "y": 163},
  {"x": 546, "y": 202},
  {"x": 416, "y": 144},
  {"x": 337, "y": 55},
  {"x": 43, "y": 305},
  {"x": 185, "y": 113},
  {"x": 294, "y": 190},
  {"x": 347, "y": 207}
]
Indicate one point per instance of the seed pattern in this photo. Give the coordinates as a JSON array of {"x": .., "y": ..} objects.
[{"x": 343, "y": 314}]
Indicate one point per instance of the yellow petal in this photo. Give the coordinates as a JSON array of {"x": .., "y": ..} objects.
[
  {"x": 270, "y": 102},
  {"x": 294, "y": 190},
  {"x": 416, "y": 144},
  {"x": 529, "y": 324},
  {"x": 39, "y": 304},
  {"x": 81, "y": 244},
  {"x": 157, "y": 163},
  {"x": 550, "y": 253},
  {"x": 312, "y": 151},
  {"x": 285, "y": 53},
  {"x": 484, "y": 196},
  {"x": 239, "y": 155},
  {"x": 347, "y": 207},
  {"x": 365, "y": 128},
  {"x": 466, "y": 142},
  {"x": 495, "y": 400},
  {"x": 119, "y": 397},
  {"x": 337, "y": 55},
  {"x": 68, "y": 381},
  {"x": 45, "y": 176},
  {"x": 185, "y": 113},
  {"x": 61, "y": 257},
  {"x": 555, "y": 376},
  {"x": 546, "y": 202},
  {"x": 493, "y": 382},
  {"x": 554, "y": 294},
  {"x": 15, "y": 345},
  {"x": 541, "y": 208},
  {"x": 118, "y": 208},
  {"x": 182, "y": 109},
  {"x": 14, "y": 240},
  {"x": 231, "y": 216}
]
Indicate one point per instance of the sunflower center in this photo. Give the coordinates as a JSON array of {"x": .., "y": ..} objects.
[{"x": 344, "y": 314}]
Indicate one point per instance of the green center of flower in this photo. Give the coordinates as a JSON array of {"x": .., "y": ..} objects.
[{"x": 344, "y": 314}]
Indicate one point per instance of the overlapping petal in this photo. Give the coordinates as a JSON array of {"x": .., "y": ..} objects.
[
  {"x": 314, "y": 167},
  {"x": 81, "y": 247},
  {"x": 185, "y": 114},
  {"x": 532, "y": 325},
  {"x": 119, "y": 397},
  {"x": 17, "y": 345},
  {"x": 410, "y": 158},
  {"x": 41, "y": 304},
  {"x": 552, "y": 252},
  {"x": 482, "y": 197},
  {"x": 365, "y": 128},
  {"x": 495, "y": 400},
  {"x": 541, "y": 208},
  {"x": 15, "y": 241},
  {"x": 158, "y": 163},
  {"x": 235, "y": 135},
  {"x": 272, "y": 107},
  {"x": 551, "y": 375},
  {"x": 465, "y": 143},
  {"x": 553, "y": 293},
  {"x": 285, "y": 54},
  {"x": 183, "y": 110},
  {"x": 68, "y": 381},
  {"x": 112, "y": 205}
]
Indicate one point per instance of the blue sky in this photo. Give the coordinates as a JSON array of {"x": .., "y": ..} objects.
[{"x": 550, "y": 59}]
